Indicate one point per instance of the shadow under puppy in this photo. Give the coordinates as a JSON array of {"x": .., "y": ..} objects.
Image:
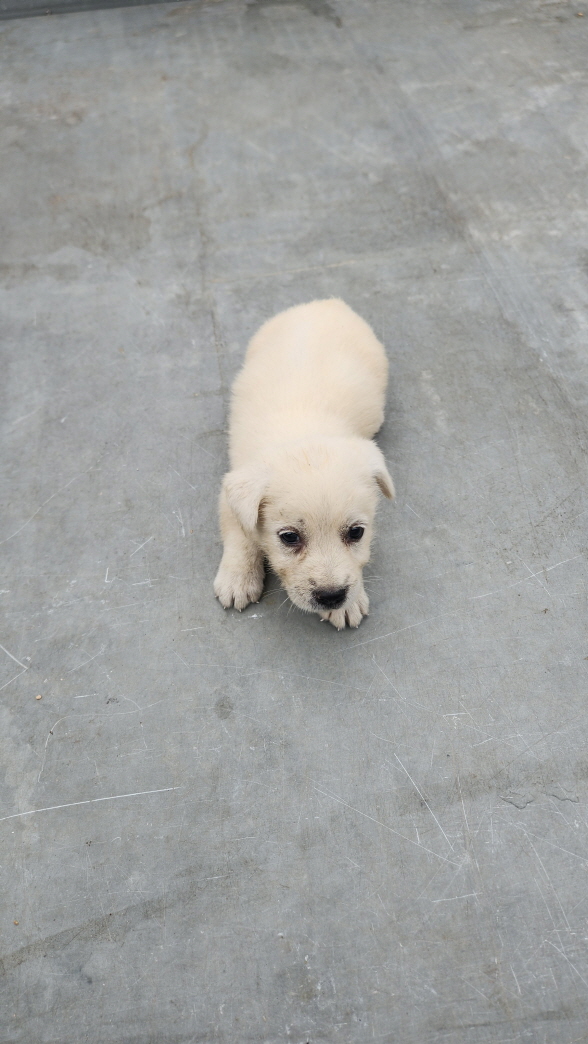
[{"x": 304, "y": 477}]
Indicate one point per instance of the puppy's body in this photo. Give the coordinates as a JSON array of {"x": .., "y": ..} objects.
[
  {"x": 312, "y": 371},
  {"x": 308, "y": 400}
]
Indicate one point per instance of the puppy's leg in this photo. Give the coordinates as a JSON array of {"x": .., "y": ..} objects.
[
  {"x": 239, "y": 580},
  {"x": 352, "y": 614}
]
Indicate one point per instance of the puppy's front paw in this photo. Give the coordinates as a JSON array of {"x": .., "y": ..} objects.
[
  {"x": 238, "y": 587},
  {"x": 351, "y": 615}
]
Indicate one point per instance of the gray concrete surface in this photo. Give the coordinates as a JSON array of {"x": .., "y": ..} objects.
[{"x": 249, "y": 828}]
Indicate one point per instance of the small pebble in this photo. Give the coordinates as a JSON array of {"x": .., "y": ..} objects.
[
  {"x": 15, "y": 922},
  {"x": 38, "y": 697}
]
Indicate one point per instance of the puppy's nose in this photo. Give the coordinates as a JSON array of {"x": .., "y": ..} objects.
[{"x": 331, "y": 598}]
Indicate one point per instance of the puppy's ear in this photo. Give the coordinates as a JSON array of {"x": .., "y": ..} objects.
[
  {"x": 380, "y": 471},
  {"x": 244, "y": 489}
]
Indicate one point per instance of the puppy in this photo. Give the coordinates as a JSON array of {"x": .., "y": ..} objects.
[{"x": 304, "y": 476}]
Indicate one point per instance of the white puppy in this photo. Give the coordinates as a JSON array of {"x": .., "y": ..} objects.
[{"x": 303, "y": 486}]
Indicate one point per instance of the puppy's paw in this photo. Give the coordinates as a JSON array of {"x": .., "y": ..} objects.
[
  {"x": 351, "y": 615},
  {"x": 238, "y": 587}
]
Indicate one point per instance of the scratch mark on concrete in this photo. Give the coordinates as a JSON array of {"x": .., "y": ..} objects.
[
  {"x": 423, "y": 798},
  {"x": 551, "y": 843},
  {"x": 14, "y": 658},
  {"x": 25, "y": 416},
  {"x": 565, "y": 956},
  {"x": 183, "y": 480},
  {"x": 45, "y": 502},
  {"x": 532, "y": 576},
  {"x": 99, "y": 653},
  {"x": 450, "y": 899},
  {"x": 409, "y": 627},
  {"x": 24, "y": 668},
  {"x": 287, "y": 271},
  {"x": 140, "y": 546},
  {"x": 89, "y": 801},
  {"x": 391, "y": 830}
]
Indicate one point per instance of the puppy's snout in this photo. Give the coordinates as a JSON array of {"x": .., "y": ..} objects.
[{"x": 330, "y": 598}]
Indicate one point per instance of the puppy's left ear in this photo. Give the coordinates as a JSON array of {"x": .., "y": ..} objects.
[{"x": 380, "y": 471}]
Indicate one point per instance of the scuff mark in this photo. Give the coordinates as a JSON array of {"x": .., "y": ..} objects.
[{"x": 320, "y": 8}]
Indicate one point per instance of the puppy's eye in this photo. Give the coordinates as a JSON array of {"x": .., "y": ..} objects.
[
  {"x": 290, "y": 538},
  {"x": 355, "y": 533}
]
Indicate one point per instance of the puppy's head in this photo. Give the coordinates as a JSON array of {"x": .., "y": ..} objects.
[{"x": 311, "y": 508}]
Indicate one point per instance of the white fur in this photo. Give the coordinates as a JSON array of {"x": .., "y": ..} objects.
[{"x": 304, "y": 408}]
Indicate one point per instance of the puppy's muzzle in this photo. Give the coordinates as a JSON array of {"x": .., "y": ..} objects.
[{"x": 330, "y": 598}]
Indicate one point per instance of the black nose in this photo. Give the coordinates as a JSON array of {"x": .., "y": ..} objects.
[{"x": 329, "y": 598}]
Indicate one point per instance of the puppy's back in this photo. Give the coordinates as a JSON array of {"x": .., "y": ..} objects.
[{"x": 319, "y": 364}]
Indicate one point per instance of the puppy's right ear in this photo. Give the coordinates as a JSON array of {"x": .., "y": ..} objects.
[
  {"x": 380, "y": 471},
  {"x": 244, "y": 490}
]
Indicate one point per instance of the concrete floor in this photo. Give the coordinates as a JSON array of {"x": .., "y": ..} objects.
[{"x": 250, "y": 828}]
